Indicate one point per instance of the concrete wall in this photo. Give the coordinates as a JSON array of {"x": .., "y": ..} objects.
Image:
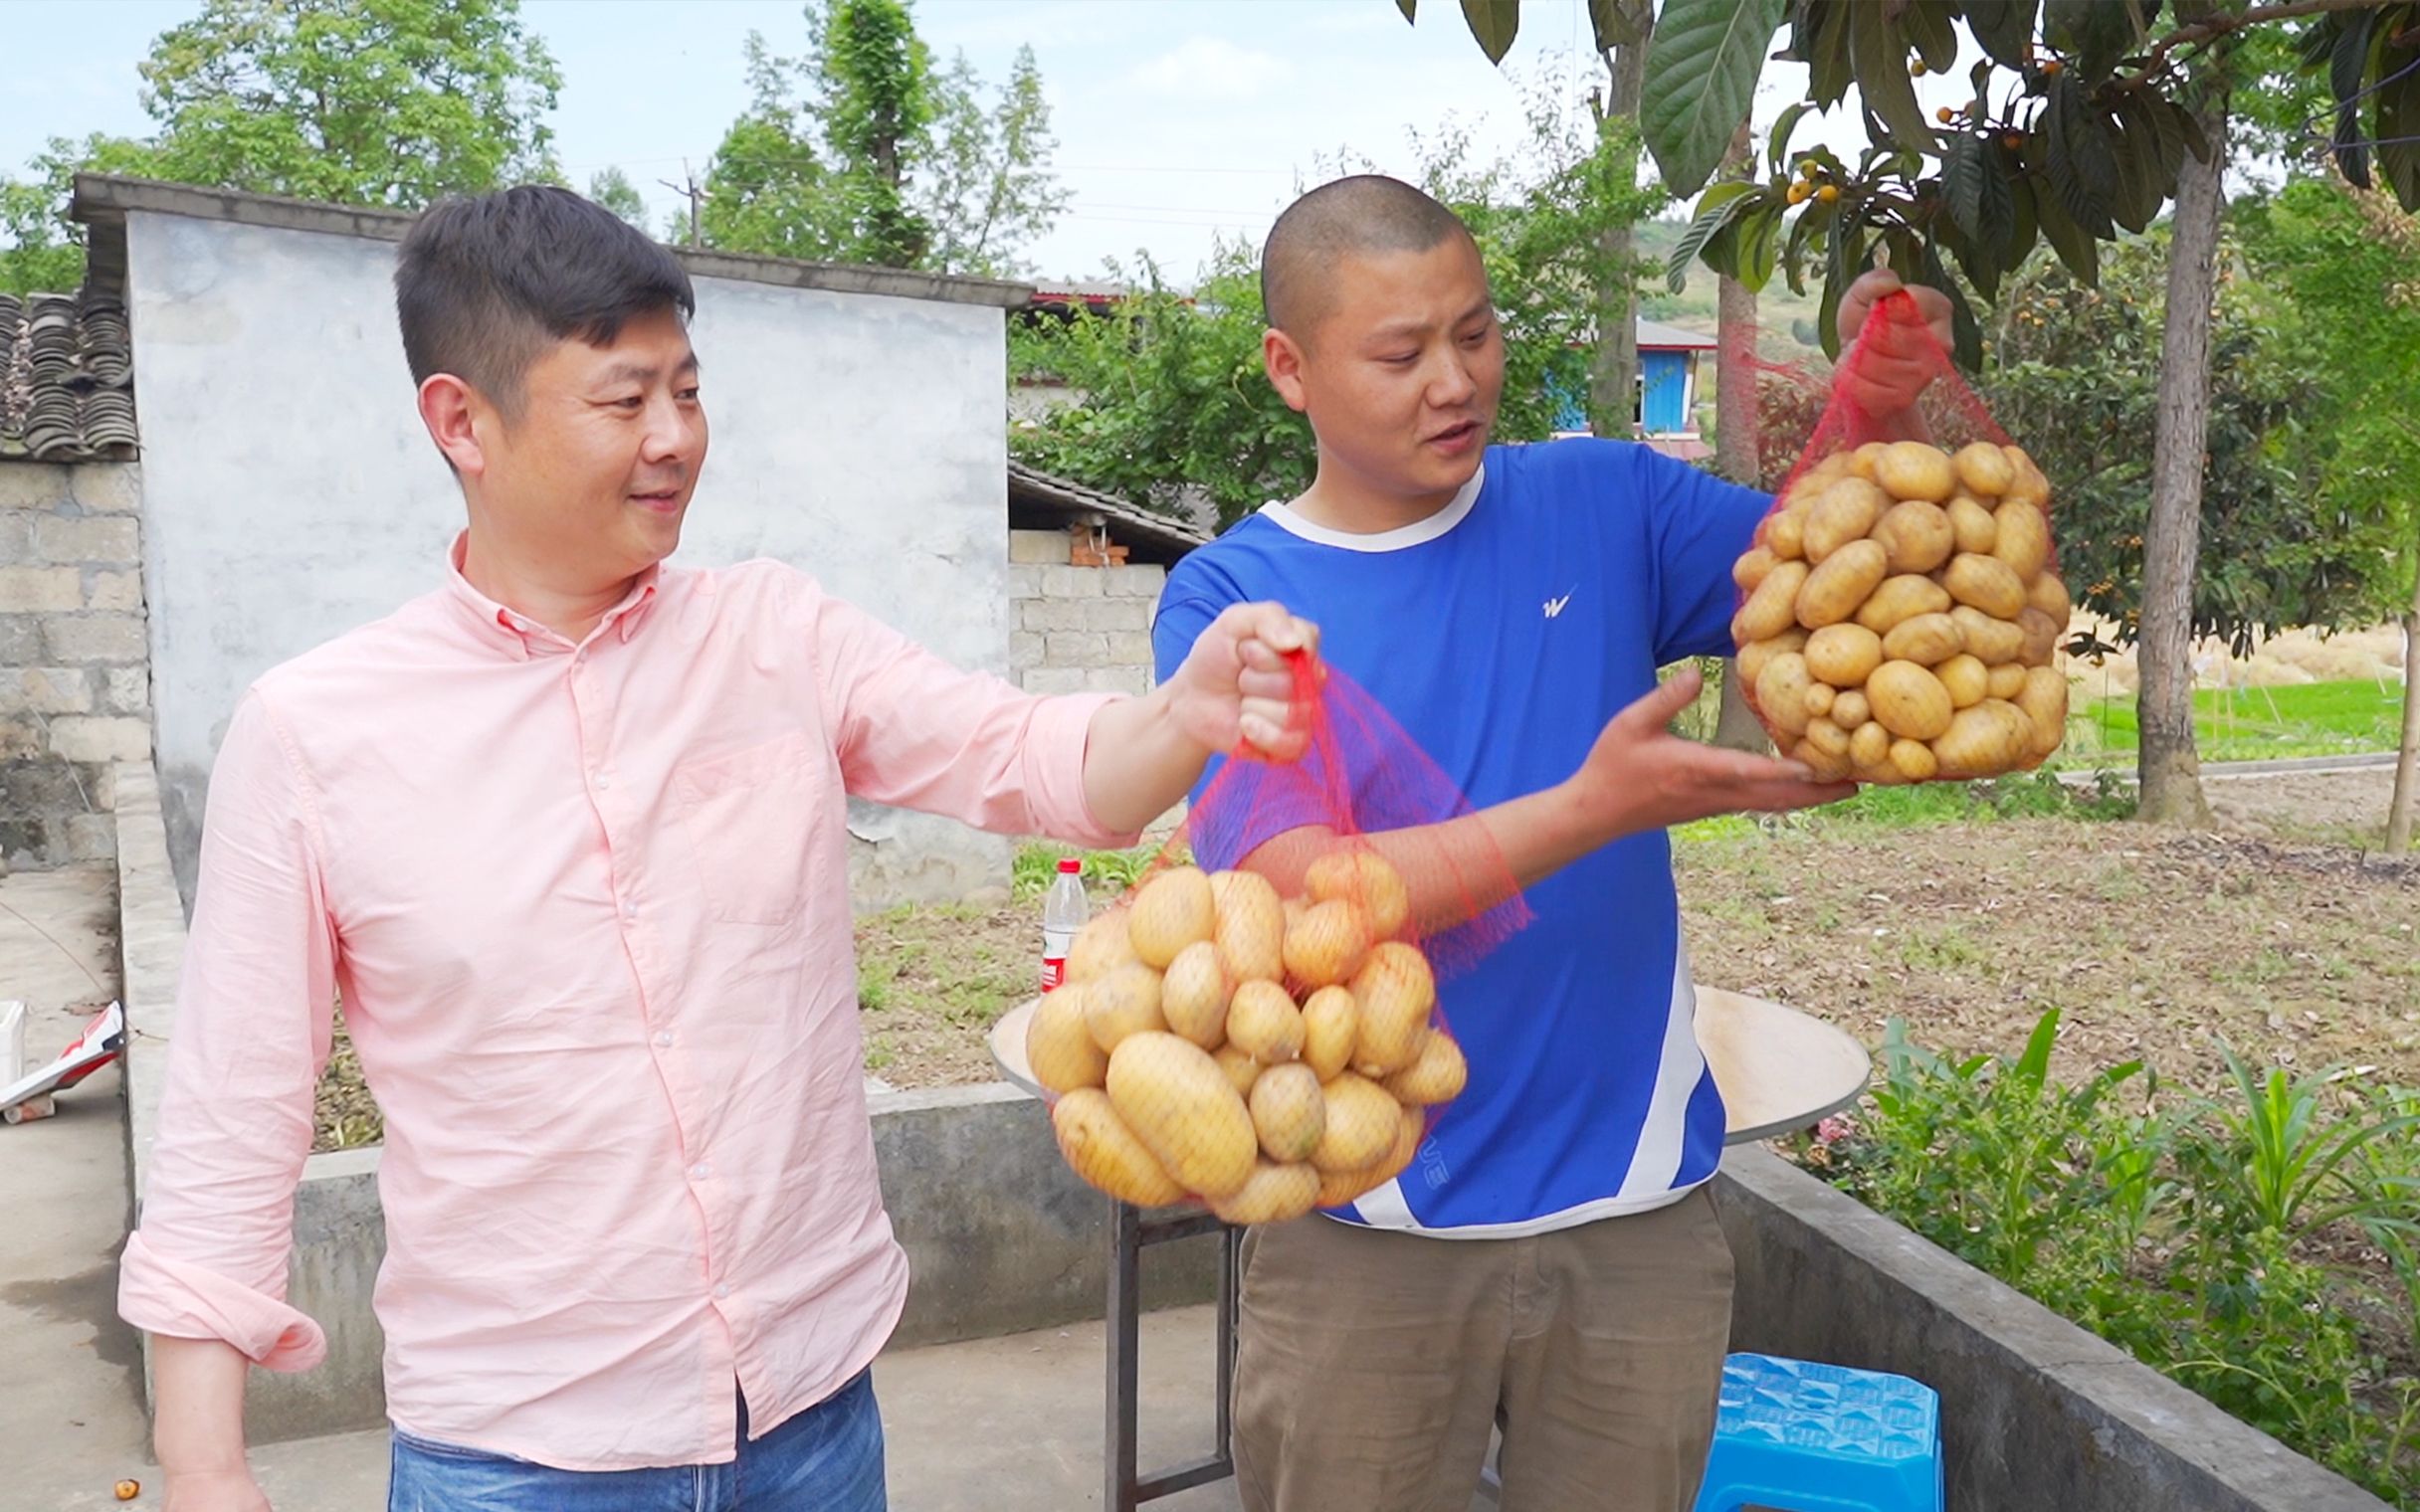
[
  {"x": 75, "y": 694},
  {"x": 2035, "y": 1411},
  {"x": 1077, "y": 628},
  {"x": 290, "y": 492}
]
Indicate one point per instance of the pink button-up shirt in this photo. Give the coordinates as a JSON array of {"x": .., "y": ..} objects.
[{"x": 587, "y": 908}]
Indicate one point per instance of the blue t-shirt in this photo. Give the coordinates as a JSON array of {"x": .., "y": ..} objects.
[{"x": 1502, "y": 634}]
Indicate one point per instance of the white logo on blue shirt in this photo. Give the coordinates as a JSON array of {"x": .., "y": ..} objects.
[{"x": 1554, "y": 607}]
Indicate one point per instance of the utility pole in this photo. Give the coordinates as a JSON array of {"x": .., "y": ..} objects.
[{"x": 690, "y": 189}]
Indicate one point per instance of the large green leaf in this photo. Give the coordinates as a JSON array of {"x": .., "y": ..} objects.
[
  {"x": 1965, "y": 333},
  {"x": 2098, "y": 32},
  {"x": 1847, "y": 260},
  {"x": 2141, "y": 186},
  {"x": 1810, "y": 228},
  {"x": 2076, "y": 246},
  {"x": 1880, "y": 55},
  {"x": 2083, "y": 173},
  {"x": 1407, "y": 7},
  {"x": 1929, "y": 30},
  {"x": 1702, "y": 68},
  {"x": 2400, "y": 125},
  {"x": 2004, "y": 28},
  {"x": 1760, "y": 232},
  {"x": 1715, "y": 209},
  {"x": 1777, "y": 149},
  {"x": 1494, "y": 23},
  {"x": 1977, "y": 190},
  {"x": 1829, "y": 70},
  {"x": 1615, "y": 25}
]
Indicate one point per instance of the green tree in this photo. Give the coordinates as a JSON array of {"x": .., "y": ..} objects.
[
  {"x": 612, "y": 188},
  {"x": 861, "y": 151},
  {"x": 393, "y": 102}
]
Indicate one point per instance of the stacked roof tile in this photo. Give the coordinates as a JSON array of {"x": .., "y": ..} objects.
[{"x": 67, "y": 379}]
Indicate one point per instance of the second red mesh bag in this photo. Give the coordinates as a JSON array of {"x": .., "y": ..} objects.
[
  {"x": 1257, "y": 1025},
  {"x": 1901, "y": 611}
]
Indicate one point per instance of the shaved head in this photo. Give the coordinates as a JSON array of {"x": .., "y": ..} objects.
[{"x": 1350, "y": 217}]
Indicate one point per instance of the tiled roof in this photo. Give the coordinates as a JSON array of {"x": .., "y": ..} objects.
[
  {"x": 1036, "y": 498},
  {"x": 67, "y": 379}
]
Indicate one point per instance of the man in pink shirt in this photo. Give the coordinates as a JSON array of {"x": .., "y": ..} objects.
[{"x": 568, "y": 836}]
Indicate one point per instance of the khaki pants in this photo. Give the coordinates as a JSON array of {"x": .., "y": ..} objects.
[{"x": 1373, "y": 1365}]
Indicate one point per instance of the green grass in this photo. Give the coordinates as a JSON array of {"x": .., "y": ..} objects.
[
  {"x": 2254, "y": 724},
  {"x": 2027, "y": 795}
]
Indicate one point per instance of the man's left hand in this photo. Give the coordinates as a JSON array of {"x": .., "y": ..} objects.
[
  {"x": 1887, "y": 369},
  {"x": 1237, "y": 685}
]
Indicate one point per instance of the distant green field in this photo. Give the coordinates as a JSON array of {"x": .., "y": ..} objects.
[{"x": 2253, "y": 724}]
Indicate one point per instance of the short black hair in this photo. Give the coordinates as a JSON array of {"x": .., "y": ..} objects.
[
  {"x": 1365, "y": 213},
  {"x": 483, "y": 285}
]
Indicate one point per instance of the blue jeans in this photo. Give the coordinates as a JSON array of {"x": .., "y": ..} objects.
[{"x": 827, "y": 1458}]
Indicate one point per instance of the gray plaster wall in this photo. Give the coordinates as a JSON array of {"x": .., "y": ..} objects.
[{"x": 290, "y": 492}]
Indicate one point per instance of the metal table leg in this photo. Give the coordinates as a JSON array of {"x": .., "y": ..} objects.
[{"x": 1131, "y": 1233}]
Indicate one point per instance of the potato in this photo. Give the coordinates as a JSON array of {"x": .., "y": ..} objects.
[
  {"x": 1818, "y": 702},
  {"x": 1337, "y": 1187},
  {"x": 1101, "y": 1148},
  {"x": 2007, "y": 681},
  {"x": 1913, "y": 469},
  {"x": 1850, "y": 710},
  {"x": 1883, "y": 775},
  {"x": 1839, "y": 588},
  {"x": 1986, "y": 582},
  {"x": 1828, "y": 738},
  {"x": 1396, "y": 993},
  {"x": 1913, "y": 760},
  {"x": 1784, "y": 535},
  {"x": 1060, "y": 1046},
  {"x": 1242, "y": 1072},
  {"x": 1781, "y": 692},
  {"x": 1755, "y": 653},
  {"x": 1825, "y": 765},
  {"x": 1753, "y": 566},
  {"x": 1288, "y": 1112},
  {"x": 1774, "y": 607},
  {"x": 1909, "y": 701},
  {"x": 1869, "y": 745},
  {"x": 1972, "y": 525},
  {"x": 1331, "y": 1020},
  {"x": 1900, "y": 598},
  {"x": 1438, "y": 1075},
  {"x": 1123, "y": 1003},
  {"x": 1843, "y": 514},
  {"x": 2022, "y": 539},
  {"x": 1193, "y": 995},
  {"x": 1864, "y": 462},
  {"x": 2044, "y": 701},
  {"x": 1328, "y": 944},
  {"x": 1099, "y": 947},
  {"x": 1968, "y": 680},
  {"x": 1843, "y": 655},
  {"x": 1250, "y": 934},
  {"x": 1993, "y": 641},
  {"x": 1274, "y": 1193},
  {"x": 1362, "y": 1124},
  {"x": 1983, "y": 469},
  {"x": 1173, "y": 910},
  {"x": 1368, "y": 881},
  {"x": 1983, "y": 741},
  {"x": 1928, "y": 640},
  {"x": 2042, "y": 635},
  {"x": 2030, "y": 486},
  {"x": 1187, "y": 1112},
  {"x": 1262, "y": 1023},
  {"x": 1916, "y": 536},
  {"x": 2048, "y": 594}
]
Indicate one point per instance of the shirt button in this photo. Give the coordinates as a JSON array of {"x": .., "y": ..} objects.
[
  {"x": 701, "y": 1171},
  {"x": 605, "y": 778},
  {"x": 630, "y": 909},
  {"x": 721, "y": 1291},
  {"x": 664, "y": 1038}
]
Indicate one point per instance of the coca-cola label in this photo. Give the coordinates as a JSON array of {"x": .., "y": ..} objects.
[{"x": 1054, "y": 972}]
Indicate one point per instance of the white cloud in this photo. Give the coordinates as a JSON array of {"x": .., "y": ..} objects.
[{"x": 1212, "y": 68}]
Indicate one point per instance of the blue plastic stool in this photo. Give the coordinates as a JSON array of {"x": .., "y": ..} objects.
[{"x": 1798, "y": 1436}]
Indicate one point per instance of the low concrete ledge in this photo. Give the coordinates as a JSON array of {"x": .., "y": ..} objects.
[
  {"x": 151, "y": 953},
  {"x": 2036, "y": 1412}
]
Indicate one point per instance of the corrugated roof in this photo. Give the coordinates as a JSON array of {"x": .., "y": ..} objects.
[
  {"x": 1656, "y": 335},
  {"x": 1033, "y": 493},
  {"x": 67, "y": 379}
]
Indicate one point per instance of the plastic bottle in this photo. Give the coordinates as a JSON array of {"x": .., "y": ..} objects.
[{"x": 1064, "y": 911}]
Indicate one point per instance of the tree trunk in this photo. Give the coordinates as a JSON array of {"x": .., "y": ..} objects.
[
  {"x": 1737, "y": 453},
  {"x": 2169, "y": 766},
  {"x": 1613, "y": 377},
  {"x": 2407, "y": 769}
]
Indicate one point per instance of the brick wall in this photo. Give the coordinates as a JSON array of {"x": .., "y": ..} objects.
[
  {"x": 1077, "y": 628},
  {"x": 74, "y": 679}
]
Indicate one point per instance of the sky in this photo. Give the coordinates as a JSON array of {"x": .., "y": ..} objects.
[{"x": 1178, "y": 121}]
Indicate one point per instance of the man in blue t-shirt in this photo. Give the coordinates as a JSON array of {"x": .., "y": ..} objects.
[{"x": 1550, "y": 1261}]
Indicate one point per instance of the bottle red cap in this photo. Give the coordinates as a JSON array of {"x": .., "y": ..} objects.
[{"x": 1069, "y": 866}]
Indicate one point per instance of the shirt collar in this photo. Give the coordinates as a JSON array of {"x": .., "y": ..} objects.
[{"x": 523, "y": 636}]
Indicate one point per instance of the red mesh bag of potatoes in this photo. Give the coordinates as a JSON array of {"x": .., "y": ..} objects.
[
  {"x": 1256, "y": 1025},
  {"x": 1901, "y": 609}
]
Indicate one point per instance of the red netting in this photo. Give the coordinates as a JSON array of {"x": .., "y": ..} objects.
[
  {"x": 1901, "y": 611},
  {"x": 1257, "y": 1024}
]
